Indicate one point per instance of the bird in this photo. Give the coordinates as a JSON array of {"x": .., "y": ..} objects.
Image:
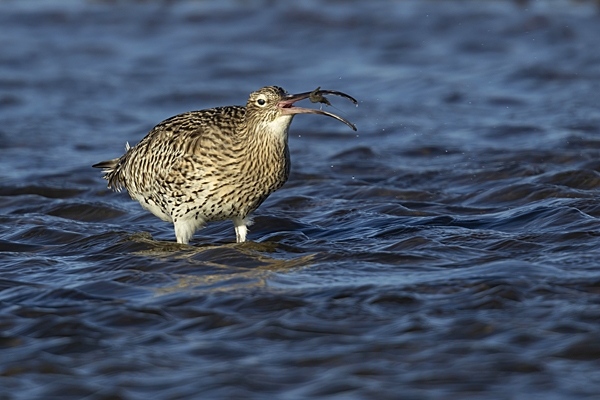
[{"x": 214, "y": 164}]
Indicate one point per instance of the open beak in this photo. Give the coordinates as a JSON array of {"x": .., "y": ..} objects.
[{"x": 287, "y": 105}]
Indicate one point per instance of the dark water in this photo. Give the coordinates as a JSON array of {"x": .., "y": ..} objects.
[{"x": 448, "y": 249}]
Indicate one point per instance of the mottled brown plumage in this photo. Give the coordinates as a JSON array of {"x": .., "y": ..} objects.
[{"x": 214, "y": 164}]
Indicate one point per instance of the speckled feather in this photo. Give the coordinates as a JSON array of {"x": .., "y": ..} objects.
[{"x": 211, "y": 165}]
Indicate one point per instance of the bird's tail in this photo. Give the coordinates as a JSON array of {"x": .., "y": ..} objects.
[
  {"x": 108, "y": 165},
  {"x": 111, "y": 169}
]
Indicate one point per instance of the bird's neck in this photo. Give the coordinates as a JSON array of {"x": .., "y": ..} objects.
[
  {"x": 265, "y": 148},
  {"x": 270, "y": 134}
]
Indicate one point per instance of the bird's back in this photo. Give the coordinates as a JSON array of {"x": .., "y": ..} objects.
[
  {"x": 178, "y": 159},
  {"x": 195, "y": 135}
]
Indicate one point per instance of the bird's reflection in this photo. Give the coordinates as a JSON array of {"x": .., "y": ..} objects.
[{"x": 222, "y": 267}]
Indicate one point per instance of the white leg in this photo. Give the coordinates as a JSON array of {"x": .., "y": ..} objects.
[
  {"x": 240, "y": 229},
  {"x": 182, "y": 232},
  {"x": 185, "y": 229}
]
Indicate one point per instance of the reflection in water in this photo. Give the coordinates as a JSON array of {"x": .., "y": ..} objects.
[{"x": 237, "y": 266}]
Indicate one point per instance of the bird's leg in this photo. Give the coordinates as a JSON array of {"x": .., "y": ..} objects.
[
  {"x": 240, "y": 229},
  {"x": 183, "y": 232},
  {"x": 186, "y": 226}
]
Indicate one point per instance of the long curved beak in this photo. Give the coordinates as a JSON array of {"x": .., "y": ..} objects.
[{"x": 287, "y": 105}]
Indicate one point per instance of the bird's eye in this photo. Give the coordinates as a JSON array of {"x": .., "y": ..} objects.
[{"x": 261, "y": 102}]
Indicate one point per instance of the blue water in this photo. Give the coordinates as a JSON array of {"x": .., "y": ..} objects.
[{"x": 447, "y": 249}]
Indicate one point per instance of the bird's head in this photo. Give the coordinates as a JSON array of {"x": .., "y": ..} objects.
[{"x": 273, "y": 108}]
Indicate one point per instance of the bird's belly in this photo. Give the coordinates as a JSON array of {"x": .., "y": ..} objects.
[
  {"x": 220, "y": 205},
  {"x": 150, "y": 205},
  {"x": 216, "y": 200}
]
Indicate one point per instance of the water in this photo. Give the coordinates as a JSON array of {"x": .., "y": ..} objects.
[{"x": 448, "y": 249}]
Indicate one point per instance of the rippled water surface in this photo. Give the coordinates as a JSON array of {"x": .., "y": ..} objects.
[{"x": 448, "y": 249}]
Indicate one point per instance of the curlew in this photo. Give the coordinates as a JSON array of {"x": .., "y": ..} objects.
[{"x": 215, "y": 164}]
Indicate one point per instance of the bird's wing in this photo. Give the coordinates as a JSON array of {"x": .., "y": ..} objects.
[{"x": 176, "y": 149}]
